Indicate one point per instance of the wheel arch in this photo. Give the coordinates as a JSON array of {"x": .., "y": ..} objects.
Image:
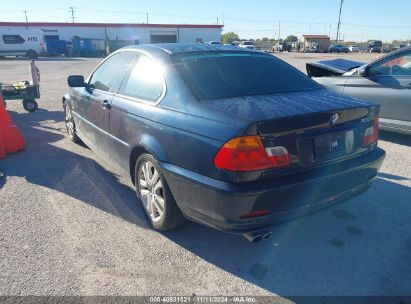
[
  {"x": 33, "y": 52},
  {"x": 145, "y": 144},
  {"x": 65, "y": 99}
]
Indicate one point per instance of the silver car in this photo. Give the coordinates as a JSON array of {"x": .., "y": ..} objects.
[{"x": 386, "y": 81}]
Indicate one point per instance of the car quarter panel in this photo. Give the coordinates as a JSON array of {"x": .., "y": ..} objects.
[
  {"x": 170, "y": 136},
  {"x": 388, "y": 91}
]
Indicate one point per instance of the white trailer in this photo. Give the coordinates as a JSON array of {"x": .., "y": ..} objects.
[{"x": 22, "y": 42}]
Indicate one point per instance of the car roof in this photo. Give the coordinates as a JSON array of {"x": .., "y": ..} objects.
[{"x": 175, "y": 48}]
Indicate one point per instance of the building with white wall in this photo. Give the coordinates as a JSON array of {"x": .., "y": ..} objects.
[{"x": 138, "y": 33}]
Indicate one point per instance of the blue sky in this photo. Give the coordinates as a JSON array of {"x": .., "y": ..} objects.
[{"x": 361, "y": 19}]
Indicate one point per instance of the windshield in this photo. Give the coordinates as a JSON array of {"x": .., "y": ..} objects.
[{"x": 212, "y": 75}]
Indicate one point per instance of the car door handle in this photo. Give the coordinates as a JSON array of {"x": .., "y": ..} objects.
[{"x": 106, "y": 105}]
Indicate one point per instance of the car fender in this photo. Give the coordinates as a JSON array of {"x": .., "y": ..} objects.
[
  {"x": 65, "y": 98},
  {"x": 142, "y": 144},
  {"x": 149, "y": 144}
]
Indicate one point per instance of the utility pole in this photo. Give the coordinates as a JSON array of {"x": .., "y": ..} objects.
[
  {"x": 27, "y": 20},
  {"x": 279, "y": 30},
  {"x": 217, "y": 20},
  {"x": 147, "y": 17},
  {"x": 339, "y": 22},
  {"x": 72, "y": 13}
]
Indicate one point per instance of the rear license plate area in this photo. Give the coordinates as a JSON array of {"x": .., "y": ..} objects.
[{"x": 332, "y": 146}]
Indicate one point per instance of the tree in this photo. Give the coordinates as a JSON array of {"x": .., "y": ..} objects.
[
  {"x": 229, "y": 37},
  {"x": 291, "y": 38}
]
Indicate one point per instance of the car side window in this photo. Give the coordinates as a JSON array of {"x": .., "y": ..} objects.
[
  {"x": 145, "y": 81},
  {"x": 110, "y": 74},
  {"x": 398, "y": 65}
]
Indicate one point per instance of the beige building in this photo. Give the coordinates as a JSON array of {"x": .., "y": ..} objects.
[{"x": 319, "y": 43}]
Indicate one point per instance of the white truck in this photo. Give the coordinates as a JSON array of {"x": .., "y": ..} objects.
[
  {"x": 247, "y": 45},
  {"x": 24, "y": 42}
]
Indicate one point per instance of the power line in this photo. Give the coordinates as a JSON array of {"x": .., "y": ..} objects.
[{"x": 285, "y": 22}]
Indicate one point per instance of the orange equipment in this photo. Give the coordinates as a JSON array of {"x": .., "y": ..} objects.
[{"x": 11, "y": 140}]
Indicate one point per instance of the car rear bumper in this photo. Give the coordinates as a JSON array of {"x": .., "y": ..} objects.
[{"x": 220, "y": 204}]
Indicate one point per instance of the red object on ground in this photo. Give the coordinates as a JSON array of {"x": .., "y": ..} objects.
[{"x": 11, "y": 140}]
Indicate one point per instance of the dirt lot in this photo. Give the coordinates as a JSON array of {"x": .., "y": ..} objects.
[{"x": 70, "y": 225}]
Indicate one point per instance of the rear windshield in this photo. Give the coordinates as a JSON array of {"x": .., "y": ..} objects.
[{"x": 212, "y": 75}]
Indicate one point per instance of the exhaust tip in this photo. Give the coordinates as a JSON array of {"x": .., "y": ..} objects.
[
  {"x": 253, "y": 237},
  {"x": 267, "y": 236},
  {"x": 257, "y": 239},
  {"x": 258, "y": 236}
]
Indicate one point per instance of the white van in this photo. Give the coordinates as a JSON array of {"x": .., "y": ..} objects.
[{"x": 22, "y": 42}]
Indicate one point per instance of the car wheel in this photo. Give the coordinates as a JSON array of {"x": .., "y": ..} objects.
[
  {"x": 32, "y": 54},
  {"x": 70, "y": 126},
  {"x": 30, "y": 105},
  {"x": 155, "y": 196}
]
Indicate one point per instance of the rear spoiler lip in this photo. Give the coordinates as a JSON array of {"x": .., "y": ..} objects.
[
  {"x": 336, "y": 67},
  {"x": 315, "y": 120}
]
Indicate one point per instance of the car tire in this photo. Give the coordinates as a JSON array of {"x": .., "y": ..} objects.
[
  {"x": 155, "y": 195},
  {"x": 70, "y": 125},
  {"x": 30, "y": 105},
  {"x": 32, "y": 54}
]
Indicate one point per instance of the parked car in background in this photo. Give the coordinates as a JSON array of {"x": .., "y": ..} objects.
[
  {"x": 247, "y": 45},
  {"x": 375, "y": 46},
  {"x": 386, "y": 81},
  {"x": 228, "y": 137},
  {"x": 338, "y": 48},
  {"x": 22, "y": 42},
  {"x": 214, "y": 42},
  {"x": 281, "y": 47},
  {"x": 354, "y": 48}
]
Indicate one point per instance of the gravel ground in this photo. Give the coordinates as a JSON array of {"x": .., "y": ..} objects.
[{"x": 71, "y": 225}]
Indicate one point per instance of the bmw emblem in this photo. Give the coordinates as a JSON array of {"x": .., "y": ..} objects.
[{"x": 334, "y": 118}]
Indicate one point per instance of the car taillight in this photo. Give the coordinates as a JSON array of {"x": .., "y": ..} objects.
[
  {"x": 247, "y": 153},
  {"x": 279, "y": 156},
  {"x": 371, "y": 134}
]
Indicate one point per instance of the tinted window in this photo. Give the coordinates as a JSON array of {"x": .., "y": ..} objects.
[
  {"x": 228, "y": 74},
  {"x": 13, "y": 39},
  {"x": 397, "y": 65},
  {"x": 109, "y": 75},
  {"x": 144, "y": 81}
]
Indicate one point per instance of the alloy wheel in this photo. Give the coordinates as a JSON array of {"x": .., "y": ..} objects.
[
  {"x": 69, "y": 122},
  {"x": 151, "y": 190}
]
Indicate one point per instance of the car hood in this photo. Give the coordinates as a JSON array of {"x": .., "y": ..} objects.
[
  {"x": 335, "y": 67},
  {"x": 276, "y": 106}
]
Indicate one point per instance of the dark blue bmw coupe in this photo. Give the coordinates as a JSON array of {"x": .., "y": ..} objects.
[{"x": 232, "y": 138}]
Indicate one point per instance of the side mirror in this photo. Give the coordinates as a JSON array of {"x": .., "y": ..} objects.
[
  {"x": 76, "y": 81},
  {"x": 363, "y": 72}
]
